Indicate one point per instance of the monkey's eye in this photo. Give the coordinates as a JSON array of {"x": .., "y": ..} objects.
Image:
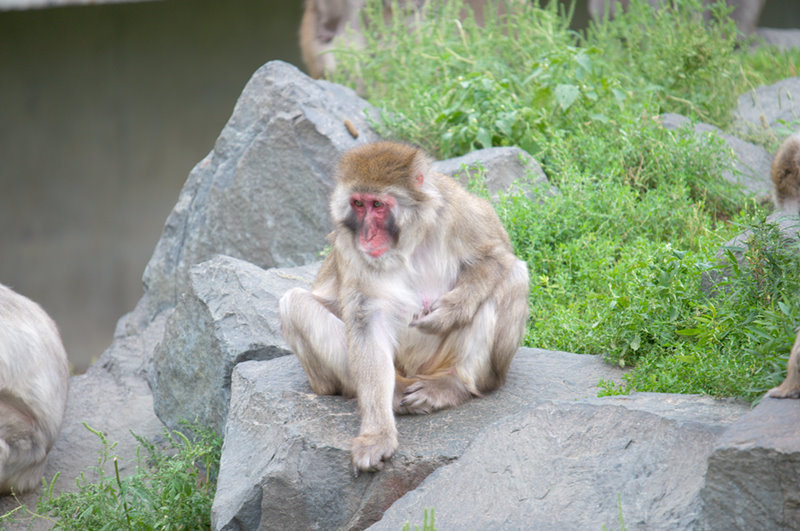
[
  {"x": 377, "y": 204},
  {"x": 357, "y": 203}
]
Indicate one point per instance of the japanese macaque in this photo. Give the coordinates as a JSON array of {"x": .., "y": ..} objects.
[
  {"x": 329, "y": 24},
  {"x": 786, "y": 195},
  {"x": 790, "y": 388},
  {"x": 34, "y": 377},
  {"x": 786, "y": 176},
  {"x": 420, "y": 304}
]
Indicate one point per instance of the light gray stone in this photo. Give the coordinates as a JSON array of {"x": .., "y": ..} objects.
[
  {"x": 789, "y": 227},
  {"x": 576, "y": 465},
  {"x": 753, "y": 476},
  {"x": 505, "y": 169},
  {"x": 783, "y": 38},
  {"x": 301, "y": 476},
  {"x": 228, "y": 315},
  {"x": 261, "y": 194},
  {"x": 752, "y": 163},
  {"x": 774, "y": 107}
]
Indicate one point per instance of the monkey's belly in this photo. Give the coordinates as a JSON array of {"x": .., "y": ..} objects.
[{"x": 419, "y": 353}]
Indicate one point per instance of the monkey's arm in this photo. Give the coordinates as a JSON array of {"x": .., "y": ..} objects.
[{"x": 477, "y": 279}]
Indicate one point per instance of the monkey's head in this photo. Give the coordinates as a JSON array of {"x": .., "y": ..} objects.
[{"x": 385, "y": 197}]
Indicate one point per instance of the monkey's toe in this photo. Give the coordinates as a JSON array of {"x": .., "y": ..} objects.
[
  {"x": 369, "y": 450},
  {"x": 784, "y": 392}
]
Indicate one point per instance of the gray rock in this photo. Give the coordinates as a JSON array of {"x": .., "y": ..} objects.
[
  {"x": 737, "y": 246},
  {"x": 752, "y": 162},
  {"x": 301, "y": 478},
  {"x": 753, "y": 476},
  {"x": 262, "y": 193},
  {"x": 577, "y": 465},
  {"x": 774, "y": 107},
  {"x": 228, "y": 315},
  {"x": 783, "y": 38},
  {"x": 505, "y": 169}
]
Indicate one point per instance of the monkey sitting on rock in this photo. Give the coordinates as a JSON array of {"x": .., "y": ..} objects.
[
  {"x": 34, "y": 377},
  {"x": 786, "y": 195},
  {"x": 421, "y": 303}
]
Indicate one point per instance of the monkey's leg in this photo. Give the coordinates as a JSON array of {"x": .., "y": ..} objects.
[
  {"x": 474, "y": 359},
  {"x": 371, "y": 358},
  {"x": 319, "y": 340},
  {"x": 790, "y": 388}
]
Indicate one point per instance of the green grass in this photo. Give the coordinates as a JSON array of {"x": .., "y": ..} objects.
[
  {"x": 617, "y": 258},
  {"x": 172, "y": 488}
]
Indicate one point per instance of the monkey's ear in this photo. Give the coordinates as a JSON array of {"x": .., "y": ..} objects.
[{"x": 420, "y": 179}]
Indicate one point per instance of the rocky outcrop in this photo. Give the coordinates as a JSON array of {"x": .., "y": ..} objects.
[
  {"x": 301, "y": 476},
  {"x": 504, "y": 169},
  {"x": 769, "y": 107},
  {"x": 751, "y": 162},
  {"x": 228, "y": 315},
  {"x": 753, "y": 477},
  {"x": 578, "y": 464},
  {"x": 261, "y": 195},
  {"x": 541, "y": 451}
]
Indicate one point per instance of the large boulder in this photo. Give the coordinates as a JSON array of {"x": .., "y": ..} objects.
[
  {"x": 228, "y": 315},
  {"x": 261, "y": 194},
  {"x": 504, "y": 169},
  {"x": 578, "y": 464},
  {"x": 546, "y": 452},
  {"x": 751, "y": 165},
  {"x": 301, "y": 476},
  {"x": 769, "y": 107},
  {"x": 753, "y": 476}
]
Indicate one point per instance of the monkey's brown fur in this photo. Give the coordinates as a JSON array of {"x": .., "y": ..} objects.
[
  {"x": 422, "y": 325},
  {"x": 786, "y": 176},
  {"x": 786, "y": 194}
]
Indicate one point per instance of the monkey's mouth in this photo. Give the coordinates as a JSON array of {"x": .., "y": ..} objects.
[{"x": 374, "y": 242}]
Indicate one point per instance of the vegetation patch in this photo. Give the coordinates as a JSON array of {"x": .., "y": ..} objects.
[{"x": 618, "y": 257}]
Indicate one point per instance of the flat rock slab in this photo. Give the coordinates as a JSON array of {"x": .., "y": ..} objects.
[
  {"x": 754, "y": 471},
  {"x": 578, "y": 465},
  {"x": 286, "y": 458}
]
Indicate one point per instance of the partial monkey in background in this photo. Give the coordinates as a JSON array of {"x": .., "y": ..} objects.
[
  {"x": 329, "y": 24},
  {"x": 786, "y": 176},
  {"x": 420, "y": 304},
  {"x": 34, "y": 378},
  {"x": 786, "y": 194}
]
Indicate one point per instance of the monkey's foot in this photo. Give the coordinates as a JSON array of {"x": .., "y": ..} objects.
[
  {"x": 785, "y": 390},
  {"x": 369, "y": 450},
  {"x": 430, "y": 394}
]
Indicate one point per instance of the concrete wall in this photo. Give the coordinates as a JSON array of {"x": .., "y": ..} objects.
[{"x": 103, "y": 112}]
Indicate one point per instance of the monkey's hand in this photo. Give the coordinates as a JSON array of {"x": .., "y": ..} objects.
[
  {"x": 443, "y": 315},
  {"x": 369, "y": 450}
]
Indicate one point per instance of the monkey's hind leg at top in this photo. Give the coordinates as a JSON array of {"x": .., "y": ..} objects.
[{"x": 34, "y": 377}]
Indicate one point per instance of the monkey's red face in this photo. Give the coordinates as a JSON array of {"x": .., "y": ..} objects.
[{"x": 372, "y": 221}]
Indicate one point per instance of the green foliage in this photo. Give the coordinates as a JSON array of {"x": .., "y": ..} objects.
[
  {"x": 172, "y": 487},
  {"x": 617, "y": 258},
  {"x": 450, "y": 85}
]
